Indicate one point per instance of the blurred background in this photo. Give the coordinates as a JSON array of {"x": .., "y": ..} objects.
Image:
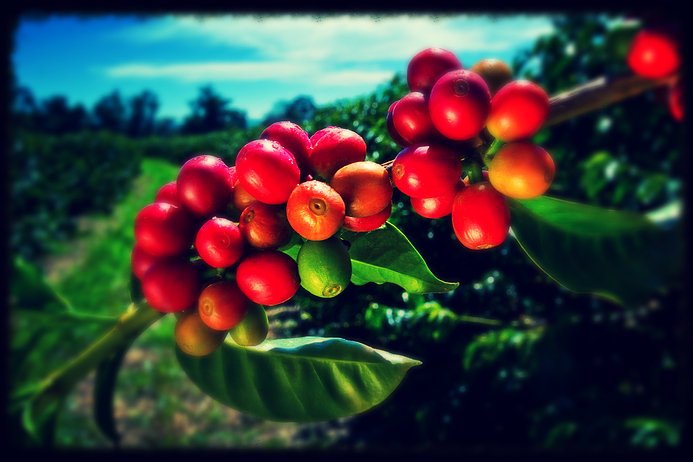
[{"x": 104, "y": 111}]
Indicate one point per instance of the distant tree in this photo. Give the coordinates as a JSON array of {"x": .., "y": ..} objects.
[
  {"x": 109, "y": 113},
  {"x": 142, "y": 116},
  {"x": 56, "y": 116},
  {"x": 211, "y": 112},
  {"x": 165, "y": 126},
  {"x": 24, "y": 108},
  {"x": 298, "y": 110}
]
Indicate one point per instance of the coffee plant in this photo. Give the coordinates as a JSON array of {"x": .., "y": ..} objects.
[{"x": 312, "y": 208}]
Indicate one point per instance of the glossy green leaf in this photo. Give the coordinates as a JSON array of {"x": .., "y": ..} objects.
[
  {"x": 386, "y": 255},
  {"x": 299, "y": 379},
  {"x": 622, "y": 256}
]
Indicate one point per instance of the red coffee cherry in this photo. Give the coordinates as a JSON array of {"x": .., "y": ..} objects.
[
  {"x": 322, "y": 132},
  {"x": 494, "y": 72},
  {"x": 480, "y": 217},
  {"x": 518, "y": 111},
  {"x": 428, "y": 65},
  {"x": 267, "y": 171},
  {"x": 436, "y": 207},
  {"x": 426, "y": 171},
  {"x": 333, "y": 148},
  {"x": 203, "y": 185},
  {"x": 412, "y": 121},
  {"x": 268, "y": 277},
  {"x": 265, "y": 226},
  {"x": 293, "y": 138},
  {"x": 168, "y": 193},
  {"x": 365, "y": 224},
  {"x": 163, "y": 229},
  {"x": 396, "y": 137},
  {"x": 222, "y": 305},
  {"x": 459, "y": 104},
  {"x": 364, "y": 186},
  {"x": 654, "y": 54},
  {"x": 315, "y": 211},
  {"x": 219, "y": 242},
  {"x": 676, "y": 101},
  {"x": 171, "y": 285},
  {"x": 521, "y": 170},
  {"x": 141, "y": 261}
]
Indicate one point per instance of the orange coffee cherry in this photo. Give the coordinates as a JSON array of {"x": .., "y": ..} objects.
[
  {"x": 364, "y": 186},
  {"x": 521, "y": 170},
  {"x": 315, "y": 210}
]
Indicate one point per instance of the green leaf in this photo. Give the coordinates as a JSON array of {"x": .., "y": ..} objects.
[
  {"x": 30, "y": 291},
  {"x": 386, "y": 255},
  {"x": 301, "y": 379},
  {"x": 622, "y": 256},
  {"x": 40, "y": 415},
  {"x": 104, "y": 391}
]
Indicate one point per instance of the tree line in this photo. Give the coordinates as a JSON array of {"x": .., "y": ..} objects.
[{"x": 137, "y": 116}]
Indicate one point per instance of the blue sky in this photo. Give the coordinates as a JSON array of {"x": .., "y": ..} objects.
[{"x": 253, "y": 60}]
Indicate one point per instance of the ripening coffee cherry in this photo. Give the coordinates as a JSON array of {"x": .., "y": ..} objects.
[
  {"x": 412, "y": 121},
  {"x": 427, "y": 66},
  {"x": 171, "y": 285},
  {"x": 426, "y": 171},
  {"x": 254, "y": 327},
  {"x": 324, "y": 267},
  {"x": 222, "y": 305},
  {"x": 194, "y": 337},
  {"x": 315, "y": 210},
  {"x": 494, "y": 72},
  {"x": 521, "y": 170},
  {"x": 241, "y": 197},
  {"x": 219, "y": 242},
  {"x": 203, "y": 185},
  {"x": 676, "y": 101},
  {"x": 268, "y": 277},
  {"x": 141, "y": 261},
  {"x": 333, "y": 148},
  {"x": 518, "y": 111},
  {"x": 265, "y": 226},
  {"x": 293, "y": 138},
  {"x": 480, "y": 217},
  {"x": 267, "y": 171},
  {"x": 436, "y": 207},
  {"x": 163, "y": 229},
  {"x": 369, "y": 223},
  {"x": 654, "y": 54},
  {"x": 168, "y": 193},
  {"x": 396, "y": 137},
  {"x": 364, "y": 186},
  {"x": 459, "y": 104}
]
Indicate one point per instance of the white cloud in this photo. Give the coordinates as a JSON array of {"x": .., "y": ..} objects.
[
  {"x": 214, "y": 70},
  {"x": 343, "y": 38}
]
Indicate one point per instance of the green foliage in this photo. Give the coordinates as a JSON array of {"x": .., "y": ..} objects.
[
  {"x": 177, "y": 149},
  {"x": 55, "y": 179},
  {"x": 619, "y": 255},
  {"x": 298, "y": 379}
]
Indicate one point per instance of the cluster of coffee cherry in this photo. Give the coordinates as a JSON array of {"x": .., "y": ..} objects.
[
  {"x": 654, "y": 54},
  {"x": 449, "y": 113},
  {"x": 208, "y": 246}
]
